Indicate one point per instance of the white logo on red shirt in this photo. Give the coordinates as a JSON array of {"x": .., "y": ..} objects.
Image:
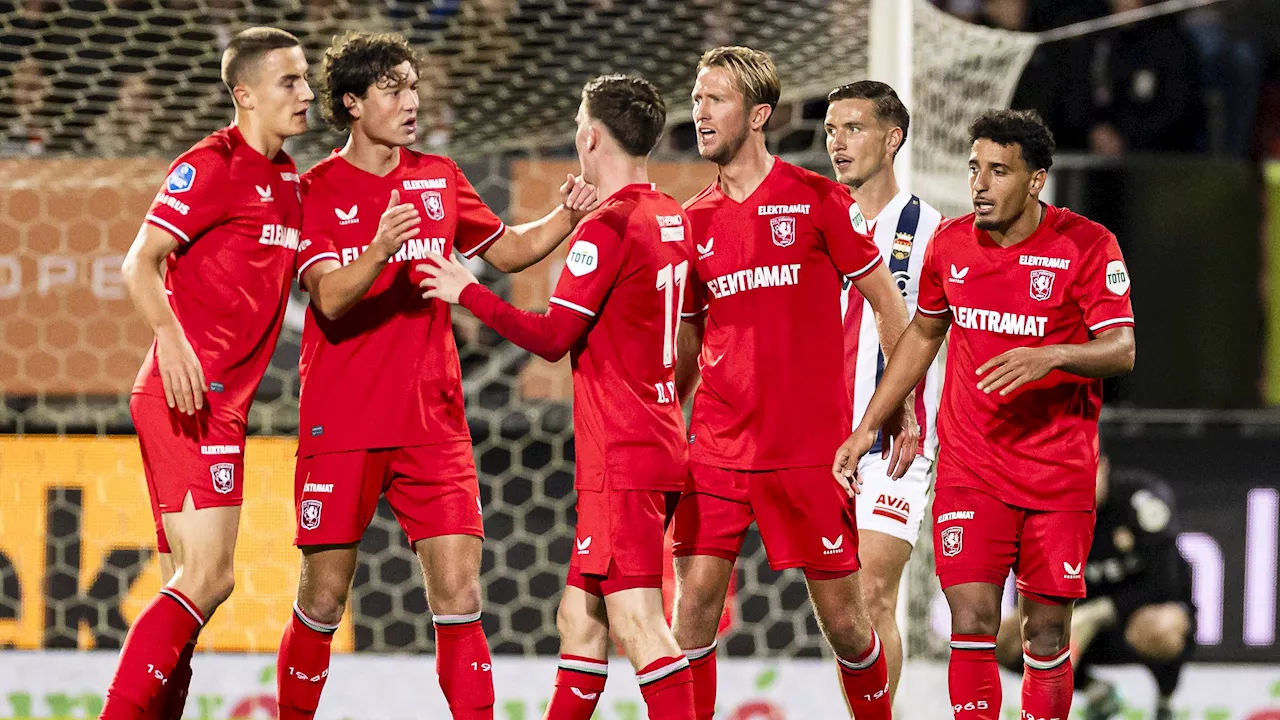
[
  {"x": 317, "y": 487},
  {"x": 173, "y": 202},
  {"x": 957, "y": 515},
  {"x": 783, "y": 210},
  {"x": 754, "y": 278},
  {"x": 224, "y": 477},
  {"x": 1072, "y": 572},
  {"x": 584, "y": 257},
  {"x": 584, "y": 696},
  {"x": 998, "y": 322},
  {"x": 1041, "y": 284},
  {"x": 219, "y": 449},
  {"x": 415, "y": 249},
  {"x": 1044, "y": 262},
  {"x": 858, "y": 220},
  {"x": 584, "y": 545},
  {"x": 784, "y": 231},
  {"x": 264, "y": 193},
  {"x": 833, "y": 547},
  {"x": 672, "y": 227},
  {"x": 310, "y": 515},
  {"x": 428, "y": 184},
  {"x": 957, "y": 275},
  {"x": 434, "y": 204},
  {"x": 348, "y": 217},
  {"x": 286, "y": 237},
  {"x": 952, "y": 541},
  {"x": 1117, "y": 277},
  {"x": 706, "y": 251}
]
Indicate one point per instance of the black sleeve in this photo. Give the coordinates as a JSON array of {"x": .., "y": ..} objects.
[{"x": 1149, "y": 502}]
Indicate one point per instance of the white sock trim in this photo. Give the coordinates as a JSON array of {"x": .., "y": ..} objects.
[
  {"x": 455, "y": 619},
  {"x": 668, "y": 669},
  {"x": 972, "y": 645},
  {"x": 870, "y": 659},
  {"x": 590, "y": 667},
  {"x": 195, "y": 612},
  {"x": 1047, "y": 664},
  {"x": 699, "y": 653},
  {"x": 314, "y": 624}
]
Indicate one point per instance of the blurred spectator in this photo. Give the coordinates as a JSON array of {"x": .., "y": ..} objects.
[
  {"x": 126, "y": 126},
  {"x": 435, "y": 113},
  {"x": 24, "y": 127},
  {"x": 1146, "y": 87}
]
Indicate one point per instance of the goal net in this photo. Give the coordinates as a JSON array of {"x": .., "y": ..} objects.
[{"x": 100, "y": 94}]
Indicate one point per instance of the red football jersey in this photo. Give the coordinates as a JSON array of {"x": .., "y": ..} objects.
[
  {"x": 237, "y": 216},
  {"x": 1036, "y": 448},
  {"x": 386, "y": 373},
  {"x": 768, "y": 274},
  {"x": 627, "y": 269}
]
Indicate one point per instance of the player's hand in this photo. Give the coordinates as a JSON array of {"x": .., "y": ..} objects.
[
  {"x": 398, "y": 225},
  {"x": 445, "y": 278},
  {"x": 578, "y": 197},
  {"x": 180, "y": 371},
  {"x": 1010, "y": 370},
  {"x": 903, "y": 432},
  {"x": 845, "y": 467}
]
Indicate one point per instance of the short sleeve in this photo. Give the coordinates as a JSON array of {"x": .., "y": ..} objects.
[
  {"x": 932, "y": 300},
  {"x": 1102, "y": 287},
  {"x": 597, "y": 253},
  {"x": 317, "y": 242},
  {"x": 193, "y": 197},
  {"x": 848, "y": 239},
  {"x": 696, "y": 299},
  {"x": 478, "y": 227}
]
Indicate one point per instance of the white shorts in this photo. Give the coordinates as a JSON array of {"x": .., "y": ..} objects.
[{"x": 893, "y": 507}]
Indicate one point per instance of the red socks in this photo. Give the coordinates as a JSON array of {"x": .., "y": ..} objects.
[
  {"x": 974, "y": 678},
  {"x": 579, "y": 683},
  {"x": 302, "y": 665},
  {"x": 1046, "y": 686},
  {"x": 155, "y": 642},
  {"x": 866, "y": 683},
  {"x": 702, "y": 668},
  {"x": 464, "y": 666},
  {"x": 667, "y": 686}
]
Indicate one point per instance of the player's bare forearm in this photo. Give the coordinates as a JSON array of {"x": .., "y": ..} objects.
[
  {"x": 523, "y": 245},
  {"x": 143, "y": 271},
  {"x": 913, "y": 353},
  {"x": 1111, "y": 353},
  {"x": 336, "y": 288},
  {"x": 688, "y": 348},
  {"x": 549, "y": 335},
  {"x": 887, "y": 304}
]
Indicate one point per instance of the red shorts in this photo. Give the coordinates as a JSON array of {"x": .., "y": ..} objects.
[
  {"x": 805, "y": 518},
  {"x": 187, "y": 455},
  {"x": 432, "y": 489},
  {"x": 620, "y": 539},
  {"x": 978, "y": 538}
]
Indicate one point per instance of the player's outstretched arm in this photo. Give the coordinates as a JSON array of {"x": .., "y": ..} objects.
[
  {"x": 143, "y": 270},
  {"x": 912, "y": 356},
  {"x": 520, "y": 246},
  {"x": 891, "y": 316},
  {"x": 548, "y": 335},
  {"x": 688, "y": 348},
  {"x": 1109, "y": 354},
  {"x": 335, "y": 288}
]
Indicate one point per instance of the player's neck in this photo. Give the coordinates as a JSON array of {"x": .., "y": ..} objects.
[
  {"x": 1021, "y": 228},
  {"x": 257, "y": 137},
  {"x": 748, "y": 168},
  {"x": 878, "y": 191},
  {"x": 618, "y": 173},
  {"x": 374, "y": 158}
]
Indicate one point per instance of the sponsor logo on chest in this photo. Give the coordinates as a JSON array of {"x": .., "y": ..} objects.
[
  {"x": 783, "y": 210},
  {"x": 415, "y": 249},
  {"x": 766, "y": 276},
  {"x": 280, "y": 235},
  {"x": 1004, "y": 323},
  {"x": 427, "y": 184}
]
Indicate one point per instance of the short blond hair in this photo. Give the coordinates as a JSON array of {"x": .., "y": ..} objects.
[{"x": 753, "y": 71}]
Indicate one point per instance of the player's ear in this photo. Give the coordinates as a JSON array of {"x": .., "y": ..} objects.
[
  {"x": 243, "y": 96},
  {"x": 1038, "y": 179},
  {"x": 760, "y": 115},
  {"x": 352, "y": 103},
  {"x": 894, "y": 140}
]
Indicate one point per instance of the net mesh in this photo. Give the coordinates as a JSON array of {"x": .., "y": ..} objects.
[{"x": 99, "y": 95}]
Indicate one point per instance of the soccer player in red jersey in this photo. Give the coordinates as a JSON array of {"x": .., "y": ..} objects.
[
  {"x": 210, "y": 272},
  {"x": 617, "y": 305},
  {"x": 764, "y": 330},
  {"x": 1037, "y": 301},
  {"x": 381, "y": 407}
]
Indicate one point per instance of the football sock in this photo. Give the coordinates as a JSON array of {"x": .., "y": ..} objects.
[
  {"x": 667, "y": 686},
  {"x": 579, "y": 684},
  {"x": 702, "y": 666},
  {"x": 865, "y": 680},
  {"x": 302, "y": 665},
  {"x": 464, "y": 666},
  {"x": 1047, "y": 684},
  {"x": 155, "y": 642},
  {"x": 973, "y": 677}
]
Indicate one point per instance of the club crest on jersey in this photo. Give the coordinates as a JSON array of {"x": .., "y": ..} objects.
[
  {"x": 784, "y": 230},
  {"x": 1041, "y": 284},
  {"x": 952, "y": 541},
  {"x": 181, "y": 179},
  {"x": 434, "y": 204},
  {"x": 902, "y": 243},
  {"x": 309, "y": 518},
  {"x": 224, "y": 477}
]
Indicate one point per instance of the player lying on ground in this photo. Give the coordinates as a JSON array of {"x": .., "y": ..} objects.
[
  {"x": 616, "y": 305},
  {"x": 1139, "y": 608},
  {"x": 209, "y": 271},
  {"x": 764, "y": 331},
  {"x": 866, "y": 125},
  {"x": 381, "y": 407},
  {"x": 1037, "y": 300}
]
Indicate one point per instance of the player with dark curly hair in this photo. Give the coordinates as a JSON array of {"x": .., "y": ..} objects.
[
  {"x": 1036, "y": 299},
  {"x": 381, "y": 407}
]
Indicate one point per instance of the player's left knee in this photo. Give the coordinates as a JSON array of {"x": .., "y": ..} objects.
[
  {"x": 1158, "y": 633},
  {"x": 848, "y": 632},
  {"x": 454, "y": 596},
  {"x": 1046, "y": 633}
]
